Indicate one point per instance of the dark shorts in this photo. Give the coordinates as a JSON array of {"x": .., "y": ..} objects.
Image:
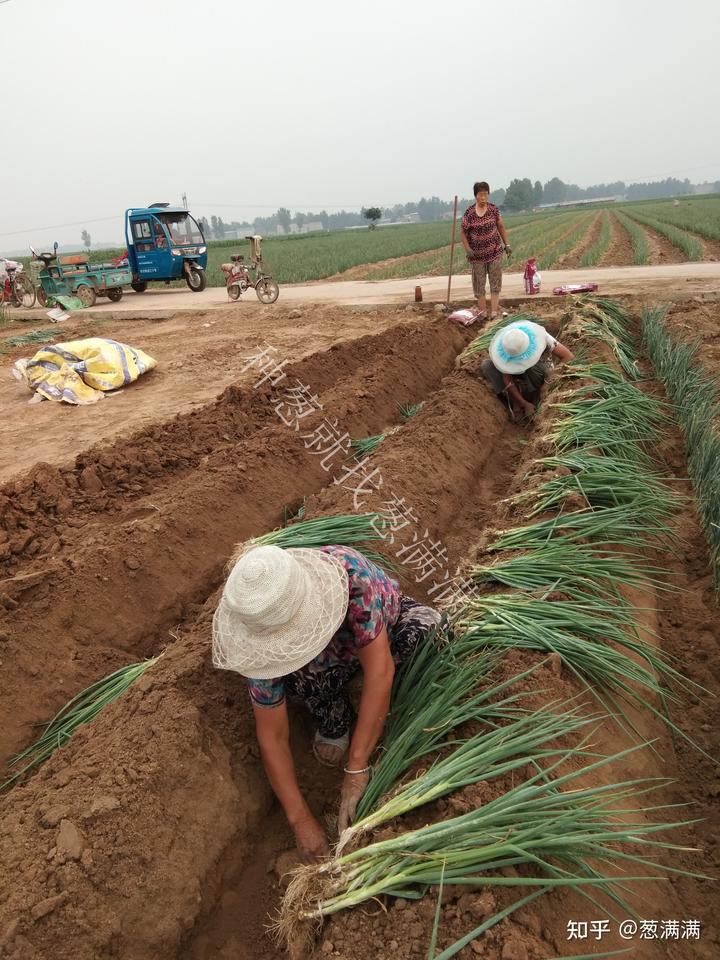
[
  {"x": 483, "y": 271},
  {"x": 324, "y": 693}
]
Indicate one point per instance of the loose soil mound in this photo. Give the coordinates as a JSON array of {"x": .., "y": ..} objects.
[
  {"x": 108, "y": 554},
  {"x": 198, "y": 356},
  {"x": 153, "y": 833}
]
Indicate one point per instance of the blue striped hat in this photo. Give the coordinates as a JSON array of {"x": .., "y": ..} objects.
[{"x": 517, "y": 347}]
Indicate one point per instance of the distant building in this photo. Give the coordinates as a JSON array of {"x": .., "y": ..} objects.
[
  {"x": 312, "y": 227},
  {"x": 409, "y": 218},
  {"x": 578, "y": 203}
]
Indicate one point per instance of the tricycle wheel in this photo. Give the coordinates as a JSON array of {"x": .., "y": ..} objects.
[
  {"x": 196, "y": 279},
  {"x": 139, "y": 286},
  {"x": 115, "y": 294},
  {"x": 234, "y": 291},
  {"x": 25, "y": 291},
  {"x": 267, "y": 290},
  {"x": 42, "y": 297},
  {"x": 86, "y": 294}
]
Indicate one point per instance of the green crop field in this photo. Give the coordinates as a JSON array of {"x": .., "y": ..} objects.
[
  {"x": 699, "y": 215},
  {"x": 418, "y": 249}
]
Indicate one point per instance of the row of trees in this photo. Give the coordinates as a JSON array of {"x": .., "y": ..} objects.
[
  {"x": 524, "y": 194},
  {"x": 519, "y": 195}
]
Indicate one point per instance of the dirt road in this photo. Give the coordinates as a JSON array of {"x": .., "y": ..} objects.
[{"x": 654, "y": 280}]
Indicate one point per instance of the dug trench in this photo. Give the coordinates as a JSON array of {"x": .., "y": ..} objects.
[
  {"x": 135, "y": 823},
  {"x": 153, "y": 833},
  {"x": 104, "y": 556},
  {"x": 403, "y": 929}
]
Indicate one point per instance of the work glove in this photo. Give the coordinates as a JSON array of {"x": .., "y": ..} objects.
[
  {"x": 354, "y": 786},
  {"x": 508, "y": 249},
  {"x": 469, "y": 256}
]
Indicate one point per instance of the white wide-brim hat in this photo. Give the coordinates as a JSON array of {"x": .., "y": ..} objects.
[
  {"x": 517, "y": 347},
  {"x": 278, "y": 610}
]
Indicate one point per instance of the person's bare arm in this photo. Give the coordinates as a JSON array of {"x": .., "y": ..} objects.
[
  {"x": 562, "y": 352},
  {"x": 273, "y": 734},
  {"x": 465, "y": 241},
  {"x": 378, "y": 674},
  {"x": 502, "y": 231}
]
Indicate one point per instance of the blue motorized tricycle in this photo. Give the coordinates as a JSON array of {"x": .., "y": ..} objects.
[{"x": 165, "y": 243}]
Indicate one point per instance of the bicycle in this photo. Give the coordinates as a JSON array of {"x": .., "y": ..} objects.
[
  {"x": 239, "y": 279},
  {"x": 16, "y": 288}
]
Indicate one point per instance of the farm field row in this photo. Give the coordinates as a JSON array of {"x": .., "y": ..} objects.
[
  {"x": 153, "y": 832},
  {"x": 423, "y": 249},
  {"x": 618, "y": 235}
]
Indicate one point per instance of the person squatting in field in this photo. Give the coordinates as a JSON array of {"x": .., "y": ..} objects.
[
  {"x": 484, "y": 237},
  {"x": 520, "y": 359},
  {"x": 303, "y": 622}
]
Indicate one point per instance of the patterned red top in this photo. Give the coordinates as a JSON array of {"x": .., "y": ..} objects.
[{"x": 482, "y": 233}]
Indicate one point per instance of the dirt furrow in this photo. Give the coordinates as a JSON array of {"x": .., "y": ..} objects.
[
  {"x": 661, "y": 250},
  {"x": 154, "y": 833},
  {"x": 571, "y": 260},
  {"x": 174, "y": 757},
  {"x": 109, "y": 592},
  {"x": 620, "y": 252}
]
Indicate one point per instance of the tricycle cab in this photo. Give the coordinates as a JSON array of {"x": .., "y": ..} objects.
[{"x": 165, "y": 243}]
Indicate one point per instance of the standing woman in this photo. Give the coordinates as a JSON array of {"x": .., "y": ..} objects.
[{"x": 484, "y": 237}]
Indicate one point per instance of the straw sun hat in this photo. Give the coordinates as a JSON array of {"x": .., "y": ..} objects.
[
  {"x": 278, "y": 610},
  {"x": 517, "y": 347}
]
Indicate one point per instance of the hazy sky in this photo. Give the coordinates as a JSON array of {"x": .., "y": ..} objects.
[{"x": 247, "y": 106}]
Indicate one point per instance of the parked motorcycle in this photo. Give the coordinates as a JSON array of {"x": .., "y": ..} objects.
[{"x": 16, "y": 288}]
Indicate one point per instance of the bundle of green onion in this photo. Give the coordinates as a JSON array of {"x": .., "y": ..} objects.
[
  {"x": 365, "y": 446},
  {"x": 578, "y": 569},
  {"x": 349, "y": 530},
  {"x": 527, "y": 738},
  {"x": 619, "y": 525},
  {"x": 570, "y": 832},
  {"x": 601, "y": 481},
  {"x": 445, "y": 685},
  {"x": 409, "y": 410},
  {"x": 83, "y": 708}
]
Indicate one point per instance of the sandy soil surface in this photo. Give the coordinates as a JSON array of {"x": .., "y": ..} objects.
[
  {"x": 665, "y": 278},
  {"x": 620, "y": 251},
  {"x": 198, "y": 356},
  {"x": 571, "y": 260},
  {"x": 153, "y": 833}
]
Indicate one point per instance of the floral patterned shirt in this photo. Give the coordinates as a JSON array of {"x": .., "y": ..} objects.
[
  {"x": 482, "y": 233},
  {"x": 374, "y": 603}
]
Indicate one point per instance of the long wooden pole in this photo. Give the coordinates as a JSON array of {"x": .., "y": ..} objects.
[{"x": 452, "y": 249}]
